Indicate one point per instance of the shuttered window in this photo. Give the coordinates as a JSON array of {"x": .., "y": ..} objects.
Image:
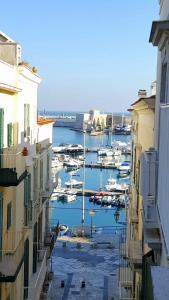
[
  {"x": 48, "y": 165},
  {"x": 9, "y": 215},
  {"x": 27, "y": 200},
  {"x": 41, "y": 174},
  {"x": 1, "y": 128},
  {"x": 163, "y": 84},
  {"x": 10, "y": 134},
  {"x": 26, "y": 120}
]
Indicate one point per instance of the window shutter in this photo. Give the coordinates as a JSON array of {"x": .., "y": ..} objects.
[
  {"x": 10, "y": 134},
  {"x": 163, "y": 83},
  {"x": 9, "y": 210},
  {"x": 26, "y": 192},
  {"x": 1, "y": 127}
]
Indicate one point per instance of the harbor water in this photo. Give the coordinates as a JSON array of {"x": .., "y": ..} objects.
[{"x": 95, "y": 179}]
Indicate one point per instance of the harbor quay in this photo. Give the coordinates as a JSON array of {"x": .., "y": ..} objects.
[{"x": 86, "y": 268}]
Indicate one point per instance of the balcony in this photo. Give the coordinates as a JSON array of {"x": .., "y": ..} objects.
[
  {"x": 135, "y": 253},
  {"x": 12, "y": 167},
  {"x": 43, "y": 145},
  {"x": 11, "y": 262},
  {"x": 36, "y": 282},
  {"x": 150, "y": 217},
  {"x": 152, "y": 238},
  {"x": 125, "y": 279},
  {"x": 154, "y": 279},
  {"x": 47, "y": 192}
]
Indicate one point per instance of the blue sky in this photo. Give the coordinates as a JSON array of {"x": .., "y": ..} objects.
[{"x": 89, "y": 53}]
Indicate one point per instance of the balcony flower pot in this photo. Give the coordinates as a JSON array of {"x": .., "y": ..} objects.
[{"x": 25, "y": 151}]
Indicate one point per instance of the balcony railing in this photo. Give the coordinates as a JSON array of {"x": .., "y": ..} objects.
[
  {"x": 10, "y": 262},
  {"x": 35, "y": 285},
  {"x": 12, "y": 167}
]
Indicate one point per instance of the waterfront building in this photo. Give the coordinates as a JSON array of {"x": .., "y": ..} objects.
[
  {"x": 142, "y": 113},
  {"x": 92, "y": 121},
  {"x": 25, "y": 179}
]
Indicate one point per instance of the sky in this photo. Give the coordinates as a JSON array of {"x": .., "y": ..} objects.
[{"x": 90, "y": 54}]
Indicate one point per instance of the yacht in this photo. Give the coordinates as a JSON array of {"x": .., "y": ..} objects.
[
  {"x": 112, "y": 185},
  {"x": 61, "y": 148},
  {"x": 125, "y": 166},
  {"x": 73, "y": 183},
  {"x": 74, "y": 148},
  {"x": 73, "y": 163}
]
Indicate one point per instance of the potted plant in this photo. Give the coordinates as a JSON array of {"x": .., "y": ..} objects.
[{"x": 25, "y": 151}]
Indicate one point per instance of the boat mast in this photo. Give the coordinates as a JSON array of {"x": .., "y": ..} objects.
[{"x": 83, "y": 200}]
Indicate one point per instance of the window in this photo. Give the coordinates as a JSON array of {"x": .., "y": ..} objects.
[
  {"x": 48, "y": 166},
  {"x": 41, "y": 174},
  {"x": 1, "y": 127},
  {"x": 26, "y": 120},
  {"x": 163, "y": 83},
  {"x": 9, "y": 215},
  {"x": 10, "y": 134},
  {"x": 27, "y": 200}
]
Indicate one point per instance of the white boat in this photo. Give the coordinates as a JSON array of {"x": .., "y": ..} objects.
[
  {"x": 61, "y": 148},
  {"x": 69, "y": 197},
  {"x": 56, "y": 163},
  {"x": 124, "y": 167},
  {"x": 73, "y": 163},
  {"x": 63, "y": 229},
  {"x": 104, "y": 152},
  {"x": 112, "y": 185},
  {"x": 74, "y": 148},
  {"x": 74, "y": 183}
]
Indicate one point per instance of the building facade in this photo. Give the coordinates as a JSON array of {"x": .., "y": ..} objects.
[
  {"x": 25, "y": 178},
  {"x": 154, "y": 173},
  {"x": 142, "y": 112},
  {"x": 92, "y": 121}
]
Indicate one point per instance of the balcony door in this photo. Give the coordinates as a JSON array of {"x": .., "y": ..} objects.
[{"x": 1, "y": 134}]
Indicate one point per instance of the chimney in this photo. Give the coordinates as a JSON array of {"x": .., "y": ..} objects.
[{"x": 142, "y": 93}]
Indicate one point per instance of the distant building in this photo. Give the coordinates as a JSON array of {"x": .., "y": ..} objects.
[{"x": 92, "y": 121}]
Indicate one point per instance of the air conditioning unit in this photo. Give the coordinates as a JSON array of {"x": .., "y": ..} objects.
[{"x": 148, "y": 174}]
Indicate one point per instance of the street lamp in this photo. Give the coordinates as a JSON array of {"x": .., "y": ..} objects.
[{"x": 91, "y": 213}]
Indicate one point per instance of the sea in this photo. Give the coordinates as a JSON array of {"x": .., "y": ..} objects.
[{"x": 95, "y": 179}]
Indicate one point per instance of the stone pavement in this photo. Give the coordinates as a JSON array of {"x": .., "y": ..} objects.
[{"x": 94, "y": 261}]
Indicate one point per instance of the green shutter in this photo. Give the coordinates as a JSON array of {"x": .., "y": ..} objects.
[
  {"x": 48, "y": 164},
  {"x": 29, "y": 199},
  {"x": 1, "y": 220},
  {"x": 10, "y": 134},
  {"x": 9, "y": 210},
  {"x": 1, "y": 127},
  {"x": 26, "y": 192}
]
